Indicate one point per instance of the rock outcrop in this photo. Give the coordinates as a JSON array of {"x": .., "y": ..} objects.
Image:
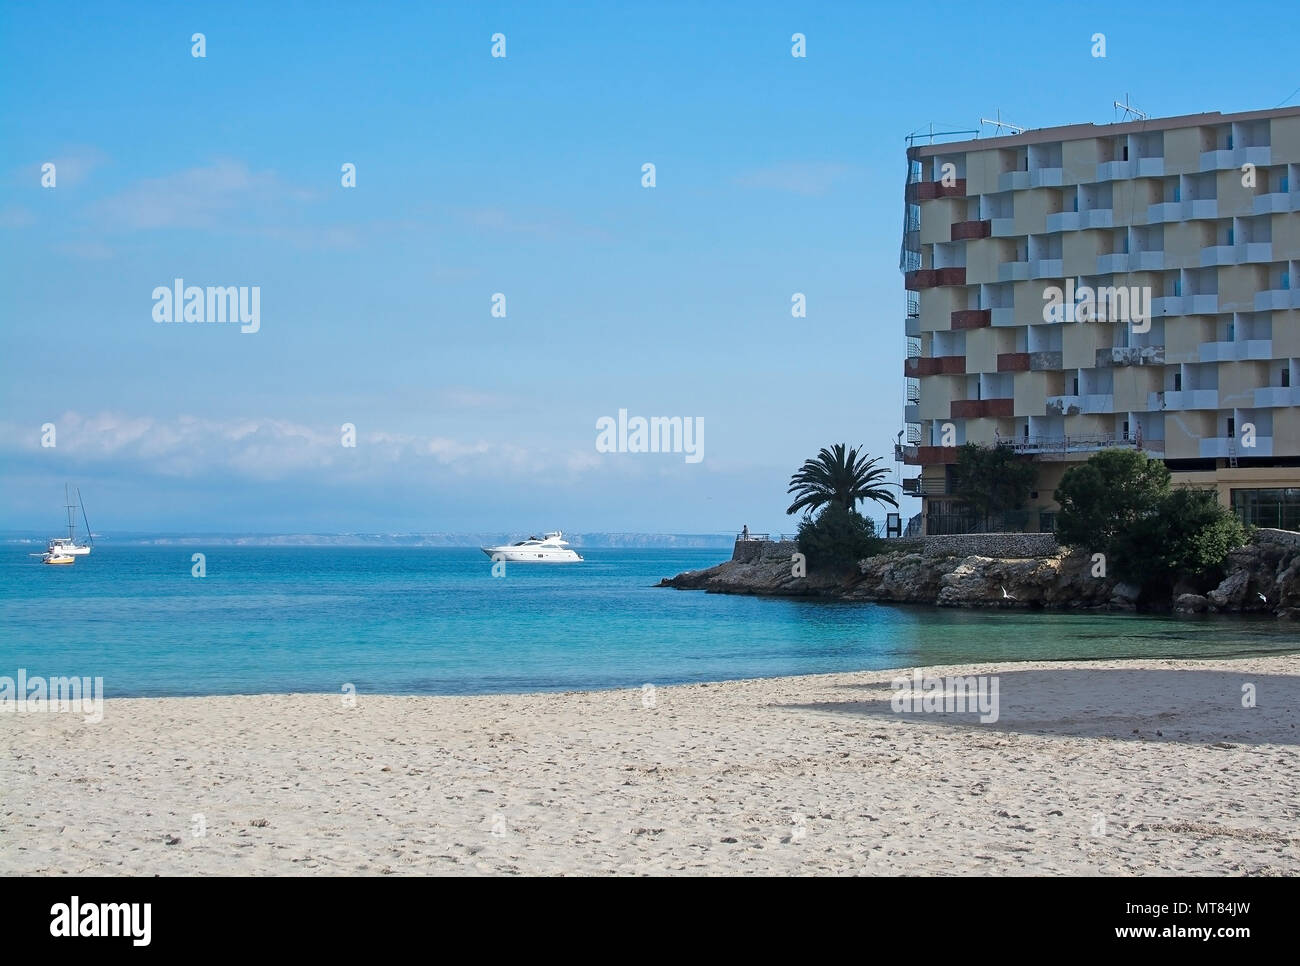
[{"x": 1263, "y": 577}]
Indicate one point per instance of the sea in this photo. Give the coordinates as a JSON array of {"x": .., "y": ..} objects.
[{"x": 408, "y": 620}]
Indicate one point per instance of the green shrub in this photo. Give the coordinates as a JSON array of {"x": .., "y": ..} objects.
[{"x": 837, "y": 538}]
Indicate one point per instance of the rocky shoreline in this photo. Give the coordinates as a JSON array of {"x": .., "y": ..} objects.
[{"x": 1262, "y": 577}]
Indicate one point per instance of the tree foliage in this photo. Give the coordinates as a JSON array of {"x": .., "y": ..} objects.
[
  {"x": 841, "y": 476},
  {"x": 836, "y": 538},
  {"x": 1120, "y": 503},
  {"x": 992, "y": 479},
  {"x": 1104, "y": 497}
]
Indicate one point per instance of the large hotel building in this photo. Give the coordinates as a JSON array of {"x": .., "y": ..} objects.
[{"x": 1201, "y": 214}]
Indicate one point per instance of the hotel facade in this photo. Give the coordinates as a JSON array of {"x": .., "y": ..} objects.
[{"x": 1187, "y": 229}]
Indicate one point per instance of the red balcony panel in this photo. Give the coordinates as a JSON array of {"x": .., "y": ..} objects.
[
  {"x": 930, "y": 277},
  {"x": 972, "y": 318},
  {"x": 963, "y": 230},
  {"x": 918, "y": 279},
  {"x": 1013, "y": 362},
  {"x": 1001, "y": 408},
  {"x": 930, "y": 455},
  {"x": 916, "y": 366},
  {"x": 929, "y": 190},
  {"x": 982, "y": 408}
]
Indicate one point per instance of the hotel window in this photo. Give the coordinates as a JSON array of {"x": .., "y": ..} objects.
[
  {"x": 1283, "y": 186},
  {"x": 1286, "y": 376},
  {"x": 1178, "y": 382},
  {"x": 1076, "y": 386},
  {"x": 1232, "y": 427}
]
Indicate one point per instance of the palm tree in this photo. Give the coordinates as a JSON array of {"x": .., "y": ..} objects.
[{"x": 839, "y": 476}]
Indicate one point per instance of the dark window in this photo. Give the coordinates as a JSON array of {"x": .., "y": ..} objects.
[
  {"x": 1178, "y": 382},
  {"x": 1286, "y": 376},
  {"x": 1232, "y": 426}
]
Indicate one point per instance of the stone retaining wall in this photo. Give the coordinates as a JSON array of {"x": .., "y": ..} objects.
[{"x": 1005, "y": 545}]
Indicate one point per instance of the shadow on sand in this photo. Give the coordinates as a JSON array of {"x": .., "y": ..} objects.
[{"x": 1204, "y": 707}]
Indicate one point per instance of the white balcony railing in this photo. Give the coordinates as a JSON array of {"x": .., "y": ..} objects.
[
  {"x": 1240, "y": 351},
  {"x": 1183, "y": 210},
  {"x": 1270, "y": 397},
  {"x": 1277, "y": 300},
  {"x": 1047, "y": 268},
  {"x": 1135, "y": 168},
  {"x": 1235, "y": 158},
  {"x": 1276, "y": 202},
  {"x": 1222, "y": 447},
  {"x": 1183, "y": 399}
]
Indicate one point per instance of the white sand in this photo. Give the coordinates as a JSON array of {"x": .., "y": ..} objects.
[{"x": 787, "y": 776}]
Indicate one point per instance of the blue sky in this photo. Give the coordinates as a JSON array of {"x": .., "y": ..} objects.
[{"x": 522, "y": 175}]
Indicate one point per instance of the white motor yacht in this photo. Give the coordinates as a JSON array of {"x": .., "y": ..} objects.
[{"x": 550, "y": 548}]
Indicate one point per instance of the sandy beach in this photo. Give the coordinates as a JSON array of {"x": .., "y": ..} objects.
[{"x": 1129, "y": 768}]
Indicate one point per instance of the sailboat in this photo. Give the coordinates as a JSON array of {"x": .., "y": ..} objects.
[{"x": 68, "y": 546}]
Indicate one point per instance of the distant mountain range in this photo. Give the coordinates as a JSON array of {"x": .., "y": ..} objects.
[{"x": 597, "y": 540}]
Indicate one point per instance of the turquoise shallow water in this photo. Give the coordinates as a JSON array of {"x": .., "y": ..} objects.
[{"x": 434, "y": 621}]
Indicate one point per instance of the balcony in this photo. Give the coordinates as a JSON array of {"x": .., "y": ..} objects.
[
  {"x": 1013, "y": 272},
  {"x": 1146, "y": 355},
  {"x": 1013, "y": 362},
  {"x": 1187, "y": 305},
  {"x": 1200, "y": 208},
  {"x": 1047, "y": 268},
  {"x": 1218, "y": 255},
  {"x": 1003, "y": 227},
  {"x": 1246, "y": 349},
  {"x": 1130, "y": 262},
  {"x": 1183, "y": 399},
  {"x": 926, "y": 455},
  {"x": 1126, "y": 170},
  {"x": 964, "y": 230},
  {"x": 1064, "y": 447},
  {"x": 1276, "y": 202},
  {"x": 1270, "y": 397},
  {"x": 923, "y": 278},
  {"x": 971, "y": 319},
  {"x": 912, "y": 413},
  {"x": 1079, "y": 220},
  {"x": 982, "y": 408},
  {"x": 1049, "y": 361},
  {"x": 1073, "y": 405},
  {"x": 1235, "y": 158},
  {"x": 1277, "y": 300},
  {"x": 930, "y": 190},
  {"x": 1002, "y": 316},
  {"x": 920, "y": 486},
  {"x": 912, "y": 326},
  {"x": 917, "y": 366},
  {"x": 1224, "y": 447}
]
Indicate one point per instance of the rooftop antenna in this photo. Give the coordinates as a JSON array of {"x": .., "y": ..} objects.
[
  {"x": 1128, "y": 109},
  {"x": 999, "y": 124}
]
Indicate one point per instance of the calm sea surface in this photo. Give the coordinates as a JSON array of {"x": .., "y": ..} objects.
[{"x": 434, "y": 621}]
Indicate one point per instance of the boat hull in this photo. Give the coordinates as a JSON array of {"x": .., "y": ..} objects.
[
  {"x": 58, "y": 560},
  {"x": 531, "y": 555}
]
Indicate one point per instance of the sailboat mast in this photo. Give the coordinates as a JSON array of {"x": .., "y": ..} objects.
[
  {"x": 89, "y": 538},
  {"x": 72, "y": 524}
]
